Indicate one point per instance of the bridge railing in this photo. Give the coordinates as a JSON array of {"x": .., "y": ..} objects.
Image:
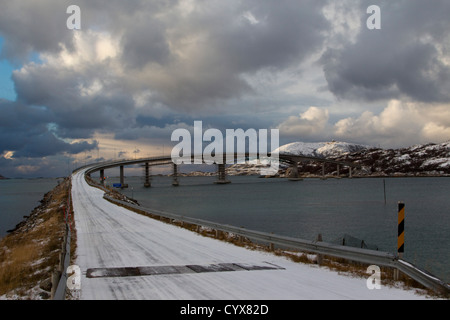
[{"x": 367, "y": 256}]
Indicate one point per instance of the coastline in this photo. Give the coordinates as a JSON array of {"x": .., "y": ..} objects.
[
  {"x": 282, "y": 174},
  {"x": 30, "y": 253}
]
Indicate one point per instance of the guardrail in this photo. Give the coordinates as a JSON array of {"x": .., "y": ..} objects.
[
  {"x": 60, "y": 291},
  {"x": 59, "y": 277},
  {"x": 354, "y": 254}
]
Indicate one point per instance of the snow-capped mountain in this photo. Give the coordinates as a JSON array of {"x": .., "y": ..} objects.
[
  {"x": 419, "y": 160},
  {"x": 321, "y": 149},
  {"x": 318, "y": 149},
  {"x": 428, "y": 159}
]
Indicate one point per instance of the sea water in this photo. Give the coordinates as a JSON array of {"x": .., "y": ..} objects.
[{"x": 18, "y": 197}]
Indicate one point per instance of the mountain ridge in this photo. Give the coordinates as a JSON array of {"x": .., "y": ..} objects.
[
  {"x": 321, "y": 149},
  {"x": 419, "y": 160}
]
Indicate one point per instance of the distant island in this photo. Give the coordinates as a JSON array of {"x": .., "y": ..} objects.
[
  {"x": 2, "y": 177},
  {"x": 419, "y": 160},
  {"x": 427, "y": 160}
]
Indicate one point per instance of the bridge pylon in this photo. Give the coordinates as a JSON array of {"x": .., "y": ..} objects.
[
  {"x": 293, "y": 172},
  {"x": 147, "y": 183},
  {"x": 175, "y": 182},
  {"x": 221, "y": 175}
]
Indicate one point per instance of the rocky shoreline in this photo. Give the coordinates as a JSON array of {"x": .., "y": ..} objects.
[{"x": 30, "y": 253}]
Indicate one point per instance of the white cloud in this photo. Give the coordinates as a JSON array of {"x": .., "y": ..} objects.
[
  {"x": 312, "y": 122},
  {"x": 89, "y": 47},
  {"x": 27, "y": 169},
  {"x": 92, "y": 89},
  {"x": 345, "y": 20},
  {"x": 250, "y": 17},
  {"x": 399, "y": 124},
  {"x": 8, "y": 155},
  {"x": 435, "y": 132}
]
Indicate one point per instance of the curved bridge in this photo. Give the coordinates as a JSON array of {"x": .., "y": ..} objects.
[{"x": 290, "y": 159}]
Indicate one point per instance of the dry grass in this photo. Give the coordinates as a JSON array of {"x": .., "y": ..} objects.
[{"x": 30, "y": 254}]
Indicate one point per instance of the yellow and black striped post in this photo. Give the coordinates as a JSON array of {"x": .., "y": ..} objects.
[{"x": 401, "y": 229}]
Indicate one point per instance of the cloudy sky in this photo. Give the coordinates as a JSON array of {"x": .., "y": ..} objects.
[{"x": 139, "y": 69}]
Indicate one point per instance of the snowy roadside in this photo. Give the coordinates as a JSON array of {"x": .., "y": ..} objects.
[{"x": 113, "y": 238}]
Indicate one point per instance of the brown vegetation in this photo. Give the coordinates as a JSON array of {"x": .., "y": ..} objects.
[{"x": 30, "y": 253}]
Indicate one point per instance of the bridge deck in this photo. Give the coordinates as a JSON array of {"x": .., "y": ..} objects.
[{"x": 288, "y": 158}]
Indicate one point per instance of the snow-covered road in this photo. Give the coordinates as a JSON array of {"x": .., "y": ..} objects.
[{"x": 109, "y": 237}]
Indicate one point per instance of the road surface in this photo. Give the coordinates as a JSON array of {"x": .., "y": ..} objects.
[{"x": 124, "y": 255}]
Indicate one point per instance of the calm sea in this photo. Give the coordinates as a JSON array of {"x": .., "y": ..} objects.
[
  {"x": 333, "y": 208},
  {"x": 18, "y": 197}
]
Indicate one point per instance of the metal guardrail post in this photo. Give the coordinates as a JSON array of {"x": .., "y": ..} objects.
[{"x": 61, "y": 288}]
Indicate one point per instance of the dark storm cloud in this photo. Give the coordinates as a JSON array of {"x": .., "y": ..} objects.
[
  {"x": 219, "y": 44},
  {"x": 47, "y": 144},
  {"x": 283, "y": 33},
  {"x": 76, "y": 115},
  {"x": 32, "y": 26},
  {"x": 190, "y": 60},
  {"x": 26, "y": 131},
  {"x": 18, "y": 123},
  {"x": 226, "y": 45},
  {"x": 40, "y": 26},
  {"x": 145, "y": 42},
  {"x": 404, "y": 58}
]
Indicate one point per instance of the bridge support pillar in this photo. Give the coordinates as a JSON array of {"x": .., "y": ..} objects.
[
  {"x": 293, "y": 174},
  {"x": 122, "y": 178},
  {"x": 222, "y": 178},
  {"x": 323, "y": 171},
  {"x": 175, "y": 176},
  {"x": 102, "y": 177},
  {"x": 350, "y": 172},
  {"x": 147, "y": 175}
]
